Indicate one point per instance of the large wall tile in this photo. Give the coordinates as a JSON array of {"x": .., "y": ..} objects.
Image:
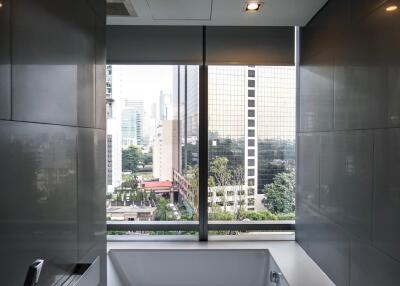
[
  {"x": 91, "y": 195},
  {"x": 346, "y": 180},
  {"x": 91, "y": 188},
  {"x": 359, "y": 101},
  {"x": 100, "y": 74},
  {"x": 329, "y": 28},
  {"x": 386, "y": 234},
  {"x": 53, "y": 75},
  {"x": 86, "y": 66},
  {"x": 316, "y": 94},
  {"x": 308, "y": 168},
  {"x": 5, "y": 65},
  {"x": 359, "y": 188},
  {"x": 38, "y": 198},
  {"x": 329, "y": 246},
  {"x": 370, "y": 267}
]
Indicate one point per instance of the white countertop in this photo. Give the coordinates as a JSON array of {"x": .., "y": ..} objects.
[{"x": 297, "y": 267}]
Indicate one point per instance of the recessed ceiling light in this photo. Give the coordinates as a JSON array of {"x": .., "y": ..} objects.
[
  {"x": 253, "y": 6},
  {"x": 1, "y": 4},
  {"x": 391, "y": 8}
]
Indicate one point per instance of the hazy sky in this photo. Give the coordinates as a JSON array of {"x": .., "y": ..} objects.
[{"x": 145, "y": 82}]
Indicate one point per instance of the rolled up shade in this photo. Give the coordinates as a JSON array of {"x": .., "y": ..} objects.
[
  {"x": 250, "y": 45},
  {"x": 154, "y": 45},
  {"x": 184, "y": 45}
]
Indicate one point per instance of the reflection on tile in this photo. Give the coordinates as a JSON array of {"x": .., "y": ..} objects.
[
  {"x": 393, "y": 90},
  {"x": 369, "y": 267},
  {"x": 346, "y": 180},
  {"x": 359, "y": 101},
  {"x": 86, "y": 66},
  {"x": 52, "y": 77},
  {"x": 100, "y": 93},
  {"x": 387, "y": 191},
  {"x": 5, "y": 67},
  {"x": 316, "y": 94},
  {"x": 91, "y": 190},
  {"x": 38, "y": 198},
  {"x": 308, "y": 168},
  {"x": 327, "y": 244},
  {"x": 45, "y": 93}
]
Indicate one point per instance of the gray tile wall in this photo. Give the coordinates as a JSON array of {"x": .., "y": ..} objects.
[
  {"x": 348, "y": 189},
  {"x": 52, "y": 137}
]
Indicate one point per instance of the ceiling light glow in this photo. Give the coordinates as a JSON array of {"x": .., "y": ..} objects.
[
  {"x": 391, "y": 8},
  {"x": 253, "y": 6}
]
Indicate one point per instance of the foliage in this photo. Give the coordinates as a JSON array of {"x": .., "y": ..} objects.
[
  {"x": 217, "y": 213},
  {"x": 220, "y": 172},
  {"x": 131, "y": 158},
  {"x": 280, "y": 194},
  {"x": 288, "y": 216},
  {"x": 131, "y": 183},
  {"x": 163, "y": 212}
]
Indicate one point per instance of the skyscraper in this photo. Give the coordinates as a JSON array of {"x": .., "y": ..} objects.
[
  {"x": 132, "y": 123},
  {"x": 252, "y": 119},
  {"x": 113, "y": 147},
  {"x": 165, "y": 159}
]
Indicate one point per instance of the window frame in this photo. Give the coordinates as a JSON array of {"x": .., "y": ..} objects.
[{"x": 204, "y": 225}]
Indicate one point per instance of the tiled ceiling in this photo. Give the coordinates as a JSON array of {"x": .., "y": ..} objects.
[{"x": 217, "y": 12}]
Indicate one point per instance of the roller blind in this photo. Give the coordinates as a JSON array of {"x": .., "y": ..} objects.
[
  {"x": 154, "y": 44},
  {"x": 250, "y": 45},
  {"x": 184, "y": 45}
]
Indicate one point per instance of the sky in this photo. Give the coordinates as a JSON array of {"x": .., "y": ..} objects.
[{"x": 145, "y": 82}]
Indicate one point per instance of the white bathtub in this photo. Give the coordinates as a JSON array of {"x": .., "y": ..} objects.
[{"x": 194, "y": 267}]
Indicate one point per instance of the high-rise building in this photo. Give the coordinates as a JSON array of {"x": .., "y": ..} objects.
[
  {"x": 252, "y": 119},
  {"x": 132, "y": 123},
  {"x": 165, "y": 159},
  {"x": 113, "y": 147},
  {"x": 251, "y": 123},
  {"x": 165, "y": 108}
]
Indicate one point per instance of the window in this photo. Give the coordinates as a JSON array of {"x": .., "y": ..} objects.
[
  {"x": 159, "y": 127},
  {"x": 270, "y": 157},
  {"x": 250, "y": 191},
  {"x": 153, "y": 143}
]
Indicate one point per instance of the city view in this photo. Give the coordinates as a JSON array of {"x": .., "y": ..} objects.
[{"x": 152, "y": 143}]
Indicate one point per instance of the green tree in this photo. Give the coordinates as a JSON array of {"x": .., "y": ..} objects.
[
  {"x": 131, "y": 158},
  {"x": 217, "y": 213},
  {"x": 280, "y": 194},
  {"x": 220, "y": 172},
  {"x": 131, "y": 183},
  {"x": 163, "y": 212}
]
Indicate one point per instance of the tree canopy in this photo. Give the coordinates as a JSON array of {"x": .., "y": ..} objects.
[
  {"x": 132, "y": 158},
  {"x": 280, "y": 194}
]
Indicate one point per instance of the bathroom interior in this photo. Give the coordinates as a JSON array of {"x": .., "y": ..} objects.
[{"x": 200, "y": 142}]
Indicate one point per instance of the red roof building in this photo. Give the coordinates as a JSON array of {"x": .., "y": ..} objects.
[{"x": 158, "y": 187}]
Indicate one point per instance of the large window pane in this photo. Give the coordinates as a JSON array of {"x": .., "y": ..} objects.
[
  {"x": 251, "y": 142},
  {"x": 152, "y": 134}
]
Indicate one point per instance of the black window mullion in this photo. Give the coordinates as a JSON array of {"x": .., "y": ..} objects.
[{"x": 203, "y": 146}]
